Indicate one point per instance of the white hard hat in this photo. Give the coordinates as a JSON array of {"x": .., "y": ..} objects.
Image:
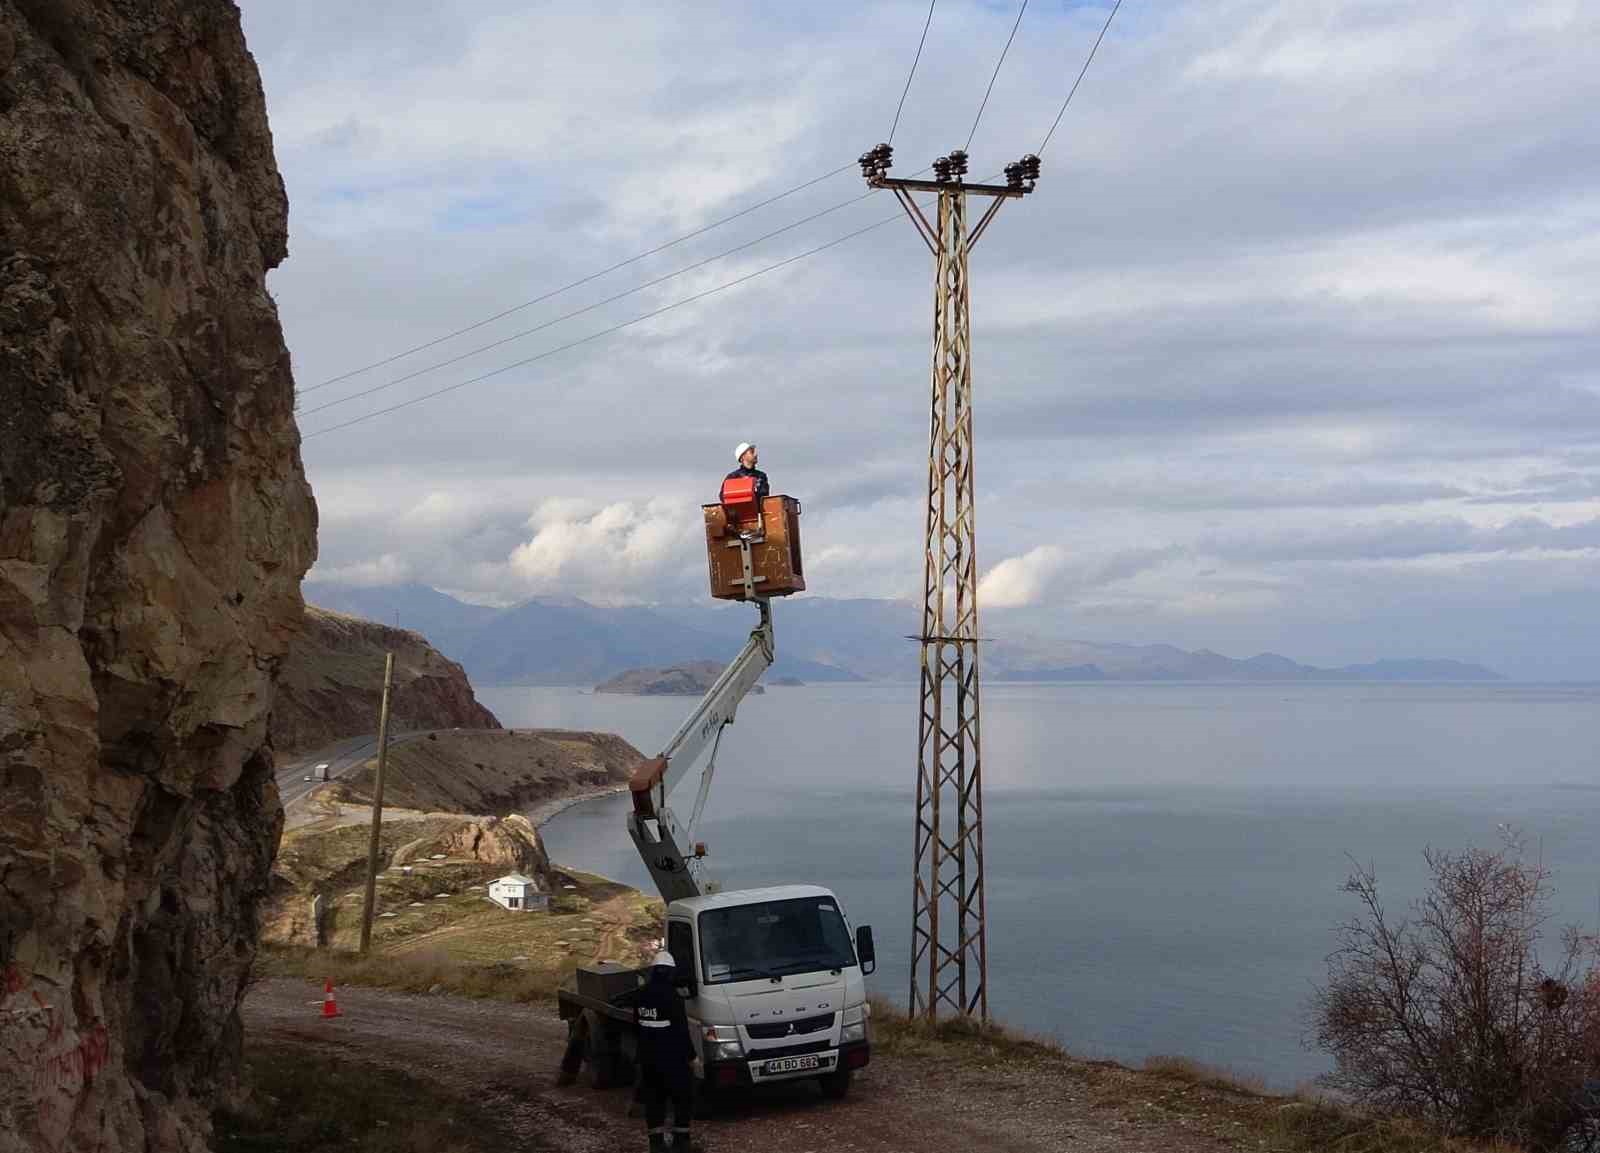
[
  {"x": 744, "y": 447},
  {"x": 664, "y": 960}
]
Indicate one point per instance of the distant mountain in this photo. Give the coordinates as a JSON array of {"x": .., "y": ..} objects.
[
  {"x": 563, "y": 640},
  {"x": 559, "y": 640}
]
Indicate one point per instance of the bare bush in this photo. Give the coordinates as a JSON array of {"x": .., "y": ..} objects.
[{"x": 1451, "y": 1016}]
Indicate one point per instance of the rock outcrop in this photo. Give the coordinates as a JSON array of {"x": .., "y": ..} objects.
[
  {"x": 154, "y": 526},
  {"x": 493, "y": 772},
  {"x": 332, "y": 684},
  {"x": 692, "y": 679},
  {"x": 510, "y": 844}
]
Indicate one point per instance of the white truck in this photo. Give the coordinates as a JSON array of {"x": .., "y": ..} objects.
[{"x": 773, "y": 979}]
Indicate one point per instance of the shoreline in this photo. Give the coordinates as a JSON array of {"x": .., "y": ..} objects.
[{"x": 544, "y": 812}]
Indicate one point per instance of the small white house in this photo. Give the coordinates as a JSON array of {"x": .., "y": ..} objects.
[{"x": 518, "y": 893}]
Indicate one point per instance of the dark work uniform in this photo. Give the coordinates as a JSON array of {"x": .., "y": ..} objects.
[
  {"x": 763, "y": 489},
  {"x": 665, "y": 1054}
]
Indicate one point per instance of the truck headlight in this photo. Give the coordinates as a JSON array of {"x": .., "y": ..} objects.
[
  {"x": 721, "y": 1042},
  {"x": 854, "y": 1025}
]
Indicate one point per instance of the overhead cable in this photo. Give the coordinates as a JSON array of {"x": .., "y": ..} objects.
[
  {"x": 1081, "y": 72},
  {"x": 995, "y": 74},
  {"x": 913, "y": 72},
  {"x": 473, "y": 327},
  {"x": 515, "y": 336},
  {"x": 605, "y": 331}
]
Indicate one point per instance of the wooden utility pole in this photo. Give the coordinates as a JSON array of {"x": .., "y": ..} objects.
[
  {"x": 377, "y": 804},
  {"x": 949, "y": 943}
]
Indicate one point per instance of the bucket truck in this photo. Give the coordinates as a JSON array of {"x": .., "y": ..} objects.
[{"x": 773, "y": 979}]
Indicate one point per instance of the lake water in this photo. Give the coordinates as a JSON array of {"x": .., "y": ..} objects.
[{"x": 1163, "y": 861}]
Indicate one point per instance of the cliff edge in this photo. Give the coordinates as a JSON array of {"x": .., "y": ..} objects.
[
  {"x": 331, "y": 684},
  {"x": 154, "y": 526}
]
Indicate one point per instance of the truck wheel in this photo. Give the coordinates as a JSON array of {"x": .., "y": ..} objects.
[
  {"x": 572, "y": 1059},
  {"x": 705, "y": 1101},
  {"x": 835, "y": 1085}
]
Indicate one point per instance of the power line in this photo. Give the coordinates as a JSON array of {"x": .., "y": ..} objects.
[
  {"x": 575, "y": 284},
  {"x": 581, "y": 311},
  {"x": 992, "y": 78},
  {"x": 913, "y": 72},
  {"x": 605, "y": 331},
  {"x": 1088, "y": 61}
]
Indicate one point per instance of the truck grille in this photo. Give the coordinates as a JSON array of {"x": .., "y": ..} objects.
[
  {"x": 788, "y": 1050},
  {"x": 771, "y": 1030}
]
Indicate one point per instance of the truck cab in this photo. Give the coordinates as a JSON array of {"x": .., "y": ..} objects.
[{"x": 774, "y": 985}]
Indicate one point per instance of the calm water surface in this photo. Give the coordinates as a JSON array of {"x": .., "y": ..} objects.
[{"x": 1163, "y": 861}]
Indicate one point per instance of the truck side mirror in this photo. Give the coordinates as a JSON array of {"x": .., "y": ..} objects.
[
  {"x": 687, "y": 987},
  {"x": 865, "y": 953}
]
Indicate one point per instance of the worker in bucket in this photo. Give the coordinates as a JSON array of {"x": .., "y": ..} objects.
[
  {"x": 666, "y": 1058},
  {"x": 745, "y": 454}
]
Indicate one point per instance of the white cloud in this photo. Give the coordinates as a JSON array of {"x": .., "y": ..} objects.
[
  {"x": 1021, "y": 580},
  {"x": 387, "y": 569},
  {"x": 621, "y": 551}
]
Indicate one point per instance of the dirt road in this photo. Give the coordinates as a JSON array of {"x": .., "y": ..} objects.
[{"x": 505, "y": 1056}]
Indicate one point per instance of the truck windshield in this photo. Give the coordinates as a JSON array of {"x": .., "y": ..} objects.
[{"x": 770, "y": 939}]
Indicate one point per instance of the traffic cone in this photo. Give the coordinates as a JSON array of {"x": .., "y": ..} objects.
[{"x": 330, "y": 1007}]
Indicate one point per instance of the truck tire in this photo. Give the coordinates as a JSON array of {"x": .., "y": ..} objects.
[
  {"x": 835, "y": 1085},
  {"x": 601, "y": 1050},
  {"x": 572, "y": 1058},
  {"x": 705, "y": 1100}
]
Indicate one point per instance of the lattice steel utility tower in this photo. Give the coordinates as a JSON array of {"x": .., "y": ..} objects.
[{"x": 949, "y": 947}]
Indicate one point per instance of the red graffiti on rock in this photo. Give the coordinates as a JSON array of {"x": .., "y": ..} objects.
[{"x": 73, "y": 1068}]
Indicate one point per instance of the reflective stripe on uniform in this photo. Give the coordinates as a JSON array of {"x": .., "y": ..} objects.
[{"x": 656, "y": 1024}]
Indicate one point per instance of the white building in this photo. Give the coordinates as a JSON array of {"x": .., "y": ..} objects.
[{"x": 518, "y": 893}]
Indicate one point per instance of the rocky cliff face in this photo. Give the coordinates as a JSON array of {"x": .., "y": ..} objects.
[
  {"x": 332, "y": 684},
  {"x": 154, "y": 526}
]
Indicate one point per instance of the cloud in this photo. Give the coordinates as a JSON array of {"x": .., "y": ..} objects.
[
  {"x": 1021, "y": 580},
  {"x": 1299, "y": 325},
  {"x": 621, "y": 550}
]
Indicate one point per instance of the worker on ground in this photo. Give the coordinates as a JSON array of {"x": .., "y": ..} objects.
[
  {"x": 666, "y": 1058},
  {"x": 745, "y": 454}
]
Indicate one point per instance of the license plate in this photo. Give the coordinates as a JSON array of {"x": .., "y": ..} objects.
[{"x": 791, "y": 1064}]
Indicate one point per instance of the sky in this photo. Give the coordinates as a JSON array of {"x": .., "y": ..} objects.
[{"x": 1294, "y": 348}]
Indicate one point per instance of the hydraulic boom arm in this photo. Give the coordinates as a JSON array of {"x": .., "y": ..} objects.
[{"x": 662, "y": 843}]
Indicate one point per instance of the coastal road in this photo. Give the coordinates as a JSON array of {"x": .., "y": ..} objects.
[{"x": 341, "y": 757}]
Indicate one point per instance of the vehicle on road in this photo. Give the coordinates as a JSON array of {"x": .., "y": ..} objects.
[
  {"x": 773, "y": 979},
  {"x": 320, "y": 773}
]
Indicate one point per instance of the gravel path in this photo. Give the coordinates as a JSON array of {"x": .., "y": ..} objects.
[{"x": 506, "y": 1056}]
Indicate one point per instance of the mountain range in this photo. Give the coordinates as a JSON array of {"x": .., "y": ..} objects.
[{"x": 564, "y": 640}]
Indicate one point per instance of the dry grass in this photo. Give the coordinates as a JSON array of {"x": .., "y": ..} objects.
[
  {"x": 895, "y": 1034},
  {"x": 1227, "y": 1103},
  {"x": 300, "y": 1101},
  {"x": 1207, "y": 1076},
  {"x": 462, "y": 943},
  {"x": 423, "y": 972}
]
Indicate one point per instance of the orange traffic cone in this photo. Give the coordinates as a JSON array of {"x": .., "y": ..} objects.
[{"x": 330, "y": 1007}]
